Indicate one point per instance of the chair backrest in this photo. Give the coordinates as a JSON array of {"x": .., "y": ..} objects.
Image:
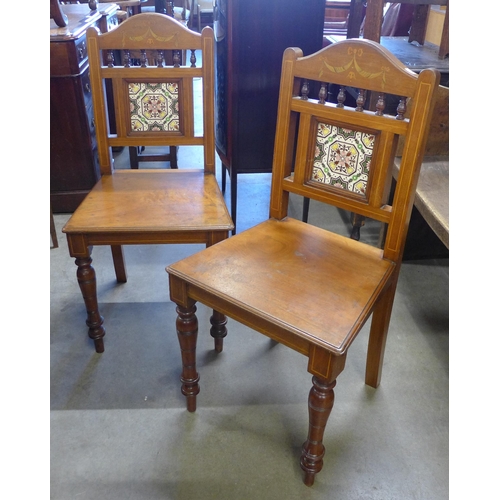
[
  {"x": 343, "y": 155},
  {"x": 154, "y": 103}
]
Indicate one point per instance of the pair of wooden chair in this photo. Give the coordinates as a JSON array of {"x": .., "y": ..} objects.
[{"x": 300, "y": 285}]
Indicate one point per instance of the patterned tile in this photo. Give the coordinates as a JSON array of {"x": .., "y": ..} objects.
[
  {"x": 342, "y": 157},
  {"x": 154, "y": 107}
]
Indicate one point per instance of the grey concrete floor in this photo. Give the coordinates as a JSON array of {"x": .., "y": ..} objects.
[{"x": 119, "y": 428}]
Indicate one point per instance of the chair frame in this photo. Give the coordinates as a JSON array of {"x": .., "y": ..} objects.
[
  {"x": 359, "y": 279},
  {"x": 170, "y": 206}
]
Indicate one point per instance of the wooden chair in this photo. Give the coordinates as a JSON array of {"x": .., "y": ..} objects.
[
  {"x": 305, "y": 287},
  {"x": 154, "y": 105}
]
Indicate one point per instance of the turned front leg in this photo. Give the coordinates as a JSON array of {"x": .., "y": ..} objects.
[
  {"x": 321, "y": 399},
  {"x": 87, "y": 281},
  {"x": 187, "y": 333}
]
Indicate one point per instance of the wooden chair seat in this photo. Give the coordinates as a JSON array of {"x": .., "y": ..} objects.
[
  {"x": 153, "y": 204},
  {"x": 338, "y": 280}
]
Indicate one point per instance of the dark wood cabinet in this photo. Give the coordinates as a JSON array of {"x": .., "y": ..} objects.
[
  {"x": 74, "y": 165},
  {"x": 250, "y": 40}
]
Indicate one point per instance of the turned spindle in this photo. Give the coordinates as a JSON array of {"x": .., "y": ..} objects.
[
  {"x": 360, "y": 101},
  {"x": 380, "y": 106},
  {"x": 401, "y": 110},
  {"x": 160, "y": 58},
  {"x": 305, "y": 90},
  {"x": 144, "y": 59},
  {"x": 323, "y": 93},
  {"x": 341, "y": 97}
]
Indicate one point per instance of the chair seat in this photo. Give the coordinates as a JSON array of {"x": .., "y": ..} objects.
[
  {"x": 309, "y": 282},
  {"x": 150, "y": 200}
]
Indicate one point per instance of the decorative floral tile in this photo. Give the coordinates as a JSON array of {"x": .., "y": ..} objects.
[
  {"x": 342, "y": 157},
  {"x": 154, "y": 107}
]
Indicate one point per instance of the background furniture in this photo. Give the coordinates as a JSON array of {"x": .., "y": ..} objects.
[
  {"x": 250, "y": 40},
  {"x": 203, "y": 12},
  {"x": 74, "y": 166},
  {"x": 336, "y": 17},
  {"x": 374, "y": 18},
  {"x": 305, "y": 287},
  {"x": 178, "y": 9},
  {"x": 56, "y": 13},
  {"x": 154, "y": 105}
]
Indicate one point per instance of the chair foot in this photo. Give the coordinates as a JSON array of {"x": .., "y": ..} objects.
[
  {"x": 355, "y": 233},
  {"x": 218, "y": 345},
  {"x": 99, "y": 345},
  {"x": 309, "y": 478},
  {"x": 119, "y": 263},
  {"x": 305, "y": 209},
  {"x": 357, "y": 221},
  {"x": 134, "y": 156},
  {"x": 173, "y": 157},
  {"x": 187, "y": 333},
  {"x": 218, "y": 330}
]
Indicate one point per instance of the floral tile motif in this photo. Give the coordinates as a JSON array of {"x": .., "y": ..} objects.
[
  {"x": 154, "y": 107},
  {"x": 342, "y": 157}
]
